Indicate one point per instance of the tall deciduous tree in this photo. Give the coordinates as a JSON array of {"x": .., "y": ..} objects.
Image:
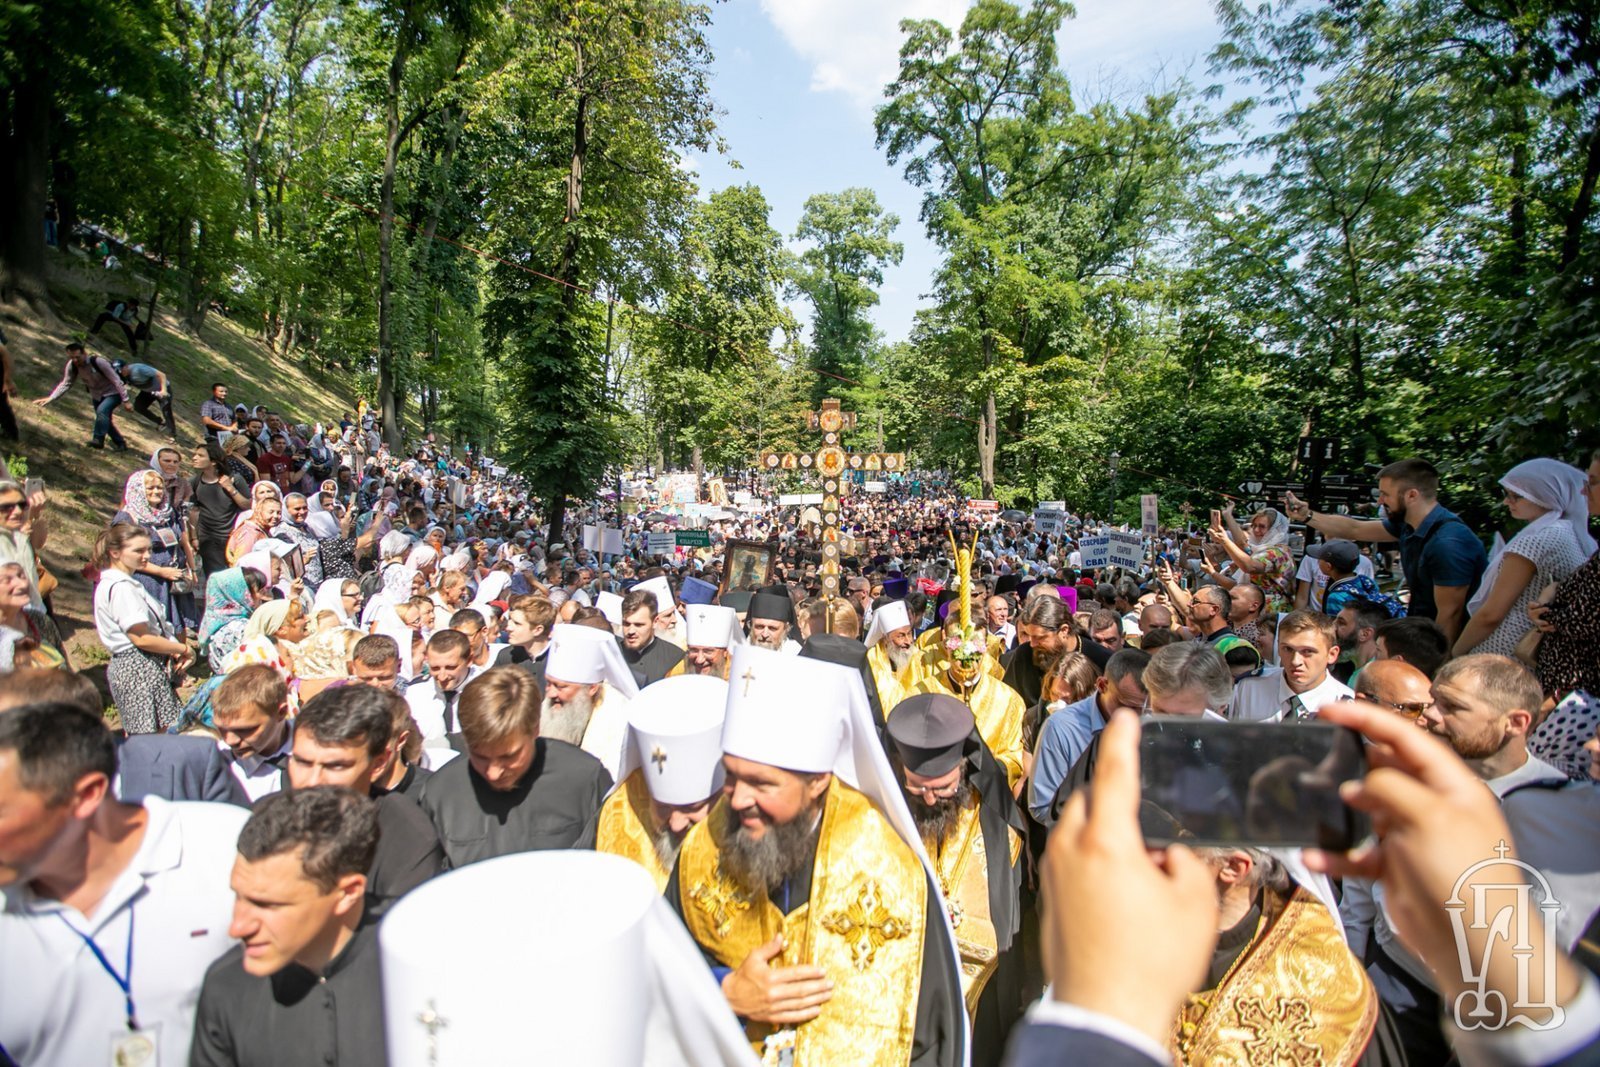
[
  {"x": 849, "y": 241},
  {"x": 620, "y": 92},
  {"x": 979, "y": 124}
]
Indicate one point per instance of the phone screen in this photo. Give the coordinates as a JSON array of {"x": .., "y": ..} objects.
[
  {"x": 1216, "y": 518},
  {"x": 1206, "y": 782}
]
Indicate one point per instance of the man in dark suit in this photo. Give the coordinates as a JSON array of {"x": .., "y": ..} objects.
[
  {"x": 175, "y": 768},
  {"x": 162, "y": 765}
]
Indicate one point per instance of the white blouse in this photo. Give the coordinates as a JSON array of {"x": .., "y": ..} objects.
[{"x": 120, "y": 603}]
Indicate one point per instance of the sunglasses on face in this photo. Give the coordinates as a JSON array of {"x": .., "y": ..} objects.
[{"x": 13, "y": 505}]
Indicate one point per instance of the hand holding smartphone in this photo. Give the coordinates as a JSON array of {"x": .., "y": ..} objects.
[{"x": 1264, "y": 785}]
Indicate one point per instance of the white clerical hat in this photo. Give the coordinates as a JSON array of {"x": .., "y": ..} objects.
[
  {"x": 565, "y": 924},
  {"x": 892, "y": 616},
  {"x": 675, "y": 734},
  {"x": 711, "y": 626},
  {"x": 663, "y": 591},
  {"x": 586, "y": 655},
  {"x": 610, "y": 605},
  {"x": 786, "y": 711}
]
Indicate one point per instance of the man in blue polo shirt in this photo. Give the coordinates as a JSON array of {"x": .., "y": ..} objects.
[
  {"x": 1443, "y": 560},
  {"x": 1067, "y": 732}
]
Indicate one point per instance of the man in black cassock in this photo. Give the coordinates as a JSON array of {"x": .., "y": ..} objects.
[
  {"x": 648, "y": 657},
  {"x": 512, "y": 790}
]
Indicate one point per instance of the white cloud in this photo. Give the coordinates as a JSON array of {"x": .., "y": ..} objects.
[
  {"x": 853, "y": 46},
  {"x": 1104, "y": 48}
]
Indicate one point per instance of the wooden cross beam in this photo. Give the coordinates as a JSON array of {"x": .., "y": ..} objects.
[{"x": 831, "y": 461}]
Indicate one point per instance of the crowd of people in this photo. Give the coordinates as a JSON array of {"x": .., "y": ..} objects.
[{"x": 358, "y": 693}]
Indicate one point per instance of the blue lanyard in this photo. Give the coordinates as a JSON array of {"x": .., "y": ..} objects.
[{"x": 125, "y": 980}]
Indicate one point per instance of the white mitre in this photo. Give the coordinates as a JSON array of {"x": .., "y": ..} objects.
[
  {"x": 585, "y": 655},
  {"x": 712, "y": 626},
  {"x": 892, "y": 616},
  {"x": 675, "y": 735},
  {"x": 586, "y": 964}
]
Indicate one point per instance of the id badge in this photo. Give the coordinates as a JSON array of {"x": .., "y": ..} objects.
[{"x": 135, "y": 1048}]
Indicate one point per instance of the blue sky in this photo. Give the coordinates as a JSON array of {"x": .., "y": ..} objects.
[{"x": 798, "y": 80}]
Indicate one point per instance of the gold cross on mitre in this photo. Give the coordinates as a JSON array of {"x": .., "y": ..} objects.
[
  {"x": 830, "y": 461},
  {"x": 747, "y": 677},
  {"x": 658, "y": 756}
]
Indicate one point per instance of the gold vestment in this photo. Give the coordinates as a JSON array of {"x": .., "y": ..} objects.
[
  {"x": 624, "y": 827},
  {"x": 864, "y": 924},
  {"x": 962, "y": 864},
  {"x": 889, "y": 691},
  {"x": 1296, "y": 997},
  {"x": 998, "y": 709}
]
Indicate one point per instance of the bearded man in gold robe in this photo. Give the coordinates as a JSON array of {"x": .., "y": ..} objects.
[
  {"x": 972, "y": 831},
  {"x": 809, "y": 897}
]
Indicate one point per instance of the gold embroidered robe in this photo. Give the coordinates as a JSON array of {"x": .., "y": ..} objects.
[
  {"x": 1296, "y": 997},
  {"x": 962, "y": 864},
  {"x": 864, "y": 924},
  {"x": 624, "y": 825},
  {"x": 890, "y": 692}
]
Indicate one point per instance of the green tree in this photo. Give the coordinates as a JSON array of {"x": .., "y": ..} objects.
[
  {"x": 584, "y": 190},
  {"x": 849, "y": 241}
]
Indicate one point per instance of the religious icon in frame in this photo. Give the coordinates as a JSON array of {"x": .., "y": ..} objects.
[{"x": 746, "y": 566}]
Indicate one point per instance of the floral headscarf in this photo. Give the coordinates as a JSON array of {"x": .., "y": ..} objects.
[
  {"x": 227, "y": 600},
  {"x": 134, "y": 501},
  {"x": 177, "y": 488}
]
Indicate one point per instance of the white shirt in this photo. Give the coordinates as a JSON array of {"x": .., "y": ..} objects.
[
  {"x": 1311, "y": 571},
  {"x": 427, "y": 708},
  {"x": 121, "y": 603},
  {"x": 1268, "y": 698},
  {"x": 260, "y": 776},
  {"x": 59, "y": 1008}
]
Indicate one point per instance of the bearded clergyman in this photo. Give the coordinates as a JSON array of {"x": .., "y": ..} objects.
[
  {"x": 587, "y": 687},
  {"x": 968, "y": 675},
  {"x": 972, "y": 831},
  {"x": 890, "y": 648},
  {"x": 671, "y": 772},
  {"x": 808, "y": 896},
  {"x": 769, "y": 619}
]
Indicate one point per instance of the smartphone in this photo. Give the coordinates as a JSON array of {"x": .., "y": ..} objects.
[
  {"x": 1216, "y": 519},
  {"x": 1267, "y": 785}
]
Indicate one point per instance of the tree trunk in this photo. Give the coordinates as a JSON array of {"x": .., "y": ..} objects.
[
  {"x": 24, "y": 155},
  {"x": 64, "y": 190},
  {"x": 391, "y": 158}
]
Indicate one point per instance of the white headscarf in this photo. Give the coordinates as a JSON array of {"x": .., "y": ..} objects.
[
  {"x": 1276, "y": 537},
  {"x": 330, "y": 597},
  {"x": 1559, "y": 488},
  {"x": 421, "y": 556}
]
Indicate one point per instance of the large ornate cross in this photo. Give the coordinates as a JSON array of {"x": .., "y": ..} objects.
[{"x": 831, "y": 461}]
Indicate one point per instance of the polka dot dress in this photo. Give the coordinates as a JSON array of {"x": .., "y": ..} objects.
[{"x": 1559, "y": 739}]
